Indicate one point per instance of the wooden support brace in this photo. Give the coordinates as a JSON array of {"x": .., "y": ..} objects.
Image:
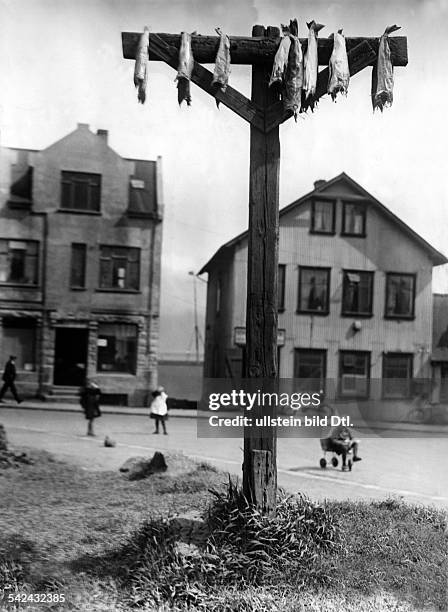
[
  {"x": 202, "y": 77},
  {"x": 360, "y": 57}
]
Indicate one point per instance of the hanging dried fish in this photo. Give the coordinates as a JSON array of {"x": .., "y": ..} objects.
[
  {"x": 281, "y": 59},
  {"x": 339, "y": 71},
  {"x": 383, "y": 73},
  {"x": 292, "y": 97},
  {"x": 222, "y": 62},
  {"x": 311, "y": 63},
  {"x": 185, "y": 68},
  {"x": 141, "y": 65}
]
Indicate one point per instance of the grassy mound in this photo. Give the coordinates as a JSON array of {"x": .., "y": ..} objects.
[{"x": 81, "y": 533}]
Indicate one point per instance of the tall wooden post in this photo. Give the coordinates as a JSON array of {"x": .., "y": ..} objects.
[
  {"x": 264, "y": 113},
  {"x": 260, "y": 469}
]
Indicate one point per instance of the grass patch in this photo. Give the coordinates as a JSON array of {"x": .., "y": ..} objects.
[{"x": 106, "y": 543}]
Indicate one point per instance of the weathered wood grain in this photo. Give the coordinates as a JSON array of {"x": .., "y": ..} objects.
[
  {"x": 259, "y": 50},
  {"x": 261, "y": 313}
]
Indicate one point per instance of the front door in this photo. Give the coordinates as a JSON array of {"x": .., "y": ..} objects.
[{"x": 70, "y": 356}]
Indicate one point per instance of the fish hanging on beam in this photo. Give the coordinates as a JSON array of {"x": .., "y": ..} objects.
[
  {"x": 311, "y": 64},
  {"x": 281, "y": 59},
  {"x": 141, "y": 65},
  {"x": 292, "y": 96},
  {"x": 338, "y": 67},
  {"x": 185, "y": 68},
  {"x": 383, "y": 73},
  {"x": 222, "y": 63}
]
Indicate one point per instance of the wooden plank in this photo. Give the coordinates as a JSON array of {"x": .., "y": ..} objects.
[
  {"x": 358, "y": 58},
  {"x": 202, "y": 77},
  {"x": 261, "y": 313},
  {"x": 259, "y": 50}
]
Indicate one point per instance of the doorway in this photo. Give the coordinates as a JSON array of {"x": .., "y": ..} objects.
[{"x": 70, "y": 356}]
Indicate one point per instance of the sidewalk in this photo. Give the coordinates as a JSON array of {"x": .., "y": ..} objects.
[{"x": 192, "y": 414}]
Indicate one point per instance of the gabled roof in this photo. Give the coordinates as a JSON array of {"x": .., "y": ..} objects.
[{"x": 436, "y": 257}]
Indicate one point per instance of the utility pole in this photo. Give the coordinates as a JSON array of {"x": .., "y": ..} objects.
[
  {"x": 264, "y": 112},
  {"x": 196, "y": 326}
]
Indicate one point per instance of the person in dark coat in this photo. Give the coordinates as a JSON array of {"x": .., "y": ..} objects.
[
  {"x": 9, "y": 376},
  {"x": 90, "y": 402}
]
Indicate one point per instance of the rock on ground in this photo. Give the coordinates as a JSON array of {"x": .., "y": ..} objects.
[{"x": 136, "y": 468}]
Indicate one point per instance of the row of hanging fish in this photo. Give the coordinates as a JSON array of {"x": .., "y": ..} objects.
[
  {"x": 185, "y": 66},
  {"x": 293, "y": 73},
  {"x": 296, "y": 77}
]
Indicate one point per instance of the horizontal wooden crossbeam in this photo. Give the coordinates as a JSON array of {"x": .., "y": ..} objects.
[{"x": 257, "y": 50}]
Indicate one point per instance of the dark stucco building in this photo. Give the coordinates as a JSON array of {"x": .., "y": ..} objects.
[{"x": 80, "y": 249}]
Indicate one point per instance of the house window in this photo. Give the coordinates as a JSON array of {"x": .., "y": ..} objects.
[
  {"x": 281, "y": 287},
  {"x": 117, "y": 348},
  {"x": 18, "y": 261},
  {"x": 397, "y": 375},
  {"x": 357, "y": 293},
  {"x": 119, "y": 268},
  {"x": 322, "y": 216},
  {"x": 353, "y": 219},
  {"x": 310, "y": 369},
  {"x": 19, "y": 339},
  {"x": 314, "y": 289},
  {"x": 218, "y": 295},
  {"x": 80, "y": 191},
  {"x": 444, "y": 382},
  {"x": 354, "y": 374},
  {"x": 78, "y": 266},
  {"x": 400, "y": 295}
]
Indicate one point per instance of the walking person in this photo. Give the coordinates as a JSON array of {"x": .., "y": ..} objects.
[
  {"x": 159, "y": 409},
  {"x": 90, "y": 402},
  {"x": 9, "y": 376}
]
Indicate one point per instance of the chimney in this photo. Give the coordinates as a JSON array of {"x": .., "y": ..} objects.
[
  {"x": 84, "y": 126},
  {"x": 319, "y": 183},
  {"x": 102, "y": 134}
]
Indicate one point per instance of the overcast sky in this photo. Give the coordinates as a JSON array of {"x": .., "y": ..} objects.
[{"x": 61, "y": 63}]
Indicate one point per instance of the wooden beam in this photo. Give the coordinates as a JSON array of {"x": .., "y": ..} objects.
[
  {"x": 360, "y": 57},
  {"x": 258, "y": 50},
  {"x": 202, "y": 77},
  {"x": 260, "y": 443}
]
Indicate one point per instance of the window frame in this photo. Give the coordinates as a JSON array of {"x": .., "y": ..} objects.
[
  {"x": 311, "y": 351},
  {"x": 355, "y": 396},
  {"x": 15, "y": 283},
  {"x": 350, "y": 313},
  {"x": 321, "y": 313},
  {"x": 391, "y": 354},
  {"x": 84, "y": 270},
  {"x": 102, "y": 258},
  {"x": 331, "y": 201},
  {"x": 69, "y": 177},
  {"x": 281, "y": 287},
  {"x": 363, "y": 206},
  {"x": 404, "y": 317},
  {"x": 134, "y": 370}
]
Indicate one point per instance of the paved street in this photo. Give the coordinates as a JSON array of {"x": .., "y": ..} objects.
[{"x": 414, "y": 468}]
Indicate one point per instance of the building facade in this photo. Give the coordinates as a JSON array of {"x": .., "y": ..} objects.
[
  {"x": 80, "y": 250},
  {"x": 355, "y": 304}
]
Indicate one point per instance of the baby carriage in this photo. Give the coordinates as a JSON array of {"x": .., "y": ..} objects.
[{"x": 337, "y": 447}]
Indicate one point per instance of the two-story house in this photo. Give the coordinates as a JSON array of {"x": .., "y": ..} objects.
[
  {"x": 80, "y": 249},
  {"x": 354, "y": 299}
]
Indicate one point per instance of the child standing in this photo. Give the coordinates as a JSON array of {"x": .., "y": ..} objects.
[{"x": 159, "y": 409}]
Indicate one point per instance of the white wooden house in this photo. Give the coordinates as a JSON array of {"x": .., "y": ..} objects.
[{"x": 354, "y": 300}]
